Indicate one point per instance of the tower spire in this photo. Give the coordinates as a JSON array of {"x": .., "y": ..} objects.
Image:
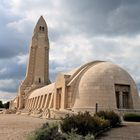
[
  {"x": 37, "y": 74},
  {"x": 39, "y": 55}
]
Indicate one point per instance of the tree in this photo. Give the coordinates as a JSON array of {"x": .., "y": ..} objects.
[
  {"x": 1, "y": 104},
  {"x": 6, "y": 105}
]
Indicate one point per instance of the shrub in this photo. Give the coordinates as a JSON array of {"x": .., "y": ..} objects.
[
  {"x": 83, "y": 123},
  {"x": 47, "y": 132},
  {"x": 82, "y": 126},
  {"x": 113, "y": 117},
  {"x": 101, "y": 122},
  {"x": 132, "y": 117},
  {"x": 50, "y": 132},
  {"x": 74, "y": 136}
]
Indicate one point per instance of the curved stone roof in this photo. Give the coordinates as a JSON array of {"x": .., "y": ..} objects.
[
  {"x": 76, "y": 72},
  {"x": 96, "y": 84},
  {"x": 106, "y": 70},
  {"x": 42, "y": 91}
]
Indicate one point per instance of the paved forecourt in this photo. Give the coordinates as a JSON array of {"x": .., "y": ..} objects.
[
  {"x": 17, "y": 127},
  {"x": 130, "y": 131}
]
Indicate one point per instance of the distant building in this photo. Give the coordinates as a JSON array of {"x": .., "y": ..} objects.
[{"x": 95, "y": 83}]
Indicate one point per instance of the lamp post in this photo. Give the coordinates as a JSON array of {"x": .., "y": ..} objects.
[{"x": 96, "y": 107}]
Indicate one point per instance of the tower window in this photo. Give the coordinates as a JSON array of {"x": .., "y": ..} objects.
[
  {"x": 41, "y": 28},
  {"x": 39, "y": 80}
]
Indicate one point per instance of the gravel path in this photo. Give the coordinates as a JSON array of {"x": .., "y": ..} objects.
[
  {"x": 17, "y": 127},
  {"x": 130, "y": 131}
]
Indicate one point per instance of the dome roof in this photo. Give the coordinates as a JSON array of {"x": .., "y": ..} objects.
[
  {"x": 106, "y": 71},
  {"x": 97, "y": 85}
]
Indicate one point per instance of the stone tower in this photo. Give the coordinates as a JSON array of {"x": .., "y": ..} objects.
[{"x": 37, "y": 74}]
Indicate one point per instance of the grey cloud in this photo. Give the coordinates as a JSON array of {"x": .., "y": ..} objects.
[
  {"x": 12, "y": 42},
  {"x": 6, "y": 96},
  {"x": 11, "y": 74},
  {"x": 56, "y": 68},
  {"x": 11, "y": 88},
  {"x": 87, "y": 18},
  {"x": 138, "y": 85},
  {"x": 13, "y": 70},
  {"x": 100, "y": 17},
  {"x": 55, "y": 34}
]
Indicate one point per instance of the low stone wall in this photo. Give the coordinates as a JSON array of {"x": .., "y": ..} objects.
[{"x": 124, "y": 111}]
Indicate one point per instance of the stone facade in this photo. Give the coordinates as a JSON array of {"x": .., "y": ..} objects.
[{"x": 95, "y": 83}]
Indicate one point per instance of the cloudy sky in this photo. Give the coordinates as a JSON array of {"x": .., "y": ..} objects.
[{"x": 79, "y": 31}]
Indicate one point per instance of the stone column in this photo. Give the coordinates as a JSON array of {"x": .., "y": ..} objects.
[
  {"x": 39, "y": 102},
  {"x": 50, "y": 102},
  {"x": 121, "y": 100},
  {"x": 28, "y": 102},
  {"x": 46, "y": 101},
  {"x": 41, "y": 106},
  {"x": 31, "y": 103},
  {"x": 55, "y": 99},
  {"x": 34, "y": 105}
]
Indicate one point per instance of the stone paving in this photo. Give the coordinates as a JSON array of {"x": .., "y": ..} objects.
[
  {"x": 129, "y": 131},
  {"x": 17, "y": 127}
]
